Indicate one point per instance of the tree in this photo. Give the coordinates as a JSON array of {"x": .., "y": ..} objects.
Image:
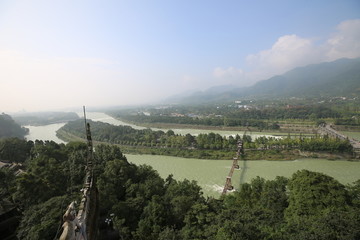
[
  {"x": 42, "y": 221},
  {"x": 153, "y": 220},
  {"x": 7, "y": 182},
  {"x": 181, "y": 196},
  {"x": 198, "y": 222},
  {"x": 312, "y": 192},
  {"x": 316, "y": 198},
  {"x": 15, "y": 149},
  {"x": 9, "y": 128}
]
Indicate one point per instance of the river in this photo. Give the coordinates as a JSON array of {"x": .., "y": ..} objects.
[
  {"x": 211, "y": 174},
  {"x": 44, "y": 132},
  {"x": 102, "y": 117}
]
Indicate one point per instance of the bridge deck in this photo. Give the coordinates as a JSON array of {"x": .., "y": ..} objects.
[{"x": 328, "y": 130}]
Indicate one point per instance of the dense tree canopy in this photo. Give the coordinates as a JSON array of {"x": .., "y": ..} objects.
[
  {"x": 9, "y": 128},
  {"x": 209, "y": 145},
  {"x": 142, "y": 205},
  {"x": 261, "y": 116}
]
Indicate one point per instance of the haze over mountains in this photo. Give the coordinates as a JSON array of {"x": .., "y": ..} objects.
[{"x": 337, "y": 78}]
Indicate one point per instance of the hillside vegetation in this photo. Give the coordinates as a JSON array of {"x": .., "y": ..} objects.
[
  {"x": 210, "y": 146},
  {"x": 328, "y": 79},
  {"x": 9, "y": 128},
  {"x": 143, "y": 206}
]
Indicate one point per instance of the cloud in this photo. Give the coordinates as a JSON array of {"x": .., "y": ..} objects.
[
  {"x": 345, "y": 43},
  {"x": 230, "y": 72},
  {"x": 188, "y": 79},
  {"x": 230, "y": 75},
  {"x": 287, "y": 52},
  {"x": 291, "y": 51}
]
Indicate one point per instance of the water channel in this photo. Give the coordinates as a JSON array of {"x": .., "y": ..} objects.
[
  {"x": 102, "y": 117},
  {"x": 44, "y": 132},
  {"x": 211, "y": 174}
]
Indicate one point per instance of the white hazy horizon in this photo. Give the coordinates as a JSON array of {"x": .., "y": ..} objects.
[{"x": 58, "y": 55}]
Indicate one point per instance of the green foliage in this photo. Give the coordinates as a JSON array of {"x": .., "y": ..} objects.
[
  {"x": 9, "y": 128},
  {"x": 320, "y": 208},
  {"x": 43, "y": 220},
  {"x": 142, "y": 205},
  {"x": 325, "y": 144},
  {"x": 198, "y": 222},
  {"x": 7, "y": 182},
  {"x": 259, "y": 207},
  {"x": 125, "y": 190},
  {"x": 240, "y": 118},
  {"x": 347, "y": 121},
  {"x": 261, "y": 115},
  {"x": 208, "y": 146},
  {"x": 307, "y": 188},
  {"x": 181, "y": 196},
  {"x": 354, "y": 191},
  {"x": 53, "y": 170},
  {"x": 15, "y": 149}
]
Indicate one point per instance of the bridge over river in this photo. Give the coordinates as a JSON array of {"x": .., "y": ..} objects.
[{"x": 327, "y": 129}]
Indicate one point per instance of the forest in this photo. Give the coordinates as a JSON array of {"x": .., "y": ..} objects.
[
  {"x": 142, "y": 205},
  {"x": 9, "y": 128},
  {"x": 209, "y": 145},
  {"x": 257, "y": 113}
]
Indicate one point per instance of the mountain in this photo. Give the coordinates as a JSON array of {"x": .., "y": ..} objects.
[
  {"x": 215, "y": 94},
  {"x": 337, "y": 78},
  {"x": 9, "y": 128},
  {"x": 44, "y": 118}
]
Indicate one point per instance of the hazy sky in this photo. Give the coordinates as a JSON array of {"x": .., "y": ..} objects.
[{"x": 69, "y": 53}]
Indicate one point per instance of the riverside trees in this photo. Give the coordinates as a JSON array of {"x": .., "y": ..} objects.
[
  {"x": 142, "y": 205},
  {"x": 261, "y": 114},
  {"x": 203, "y": 145}
]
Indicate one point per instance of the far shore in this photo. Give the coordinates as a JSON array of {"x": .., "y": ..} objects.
[
  {"x": 250, "y": 154},
  {"x": 250, "y": 130}
]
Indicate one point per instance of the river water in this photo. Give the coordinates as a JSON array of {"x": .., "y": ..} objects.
[
  {"x": 44, "y": 132},
  {"x": 102, "y": 117},
  {"x": 211, "y": 174}
]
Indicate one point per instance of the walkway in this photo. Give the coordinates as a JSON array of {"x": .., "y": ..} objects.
[{"x": 328, "y": 130}]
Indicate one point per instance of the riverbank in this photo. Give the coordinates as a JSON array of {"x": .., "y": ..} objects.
[
  {"x": 250, "y": 154},
  {"x": 286, "y": 128}
]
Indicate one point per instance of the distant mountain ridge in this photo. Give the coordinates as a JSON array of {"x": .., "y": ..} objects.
[
  {"x": 337, "y": 78},
  {"x": 44, "y": 118},
  {"x": 341, "y": 77}
]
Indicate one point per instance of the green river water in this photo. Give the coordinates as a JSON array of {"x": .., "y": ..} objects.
[{"x": 211, "y": 174}]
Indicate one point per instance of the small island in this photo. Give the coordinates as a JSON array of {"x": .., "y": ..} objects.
[{"x": 209, "y": 146}]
